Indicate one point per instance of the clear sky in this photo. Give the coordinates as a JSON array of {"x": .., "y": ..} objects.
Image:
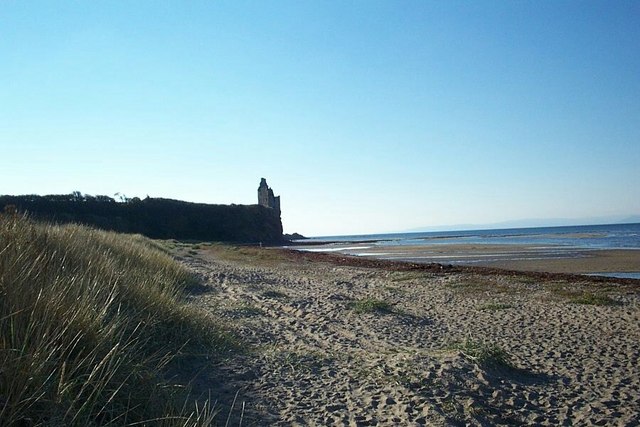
[{"x": 365, "y": 116}]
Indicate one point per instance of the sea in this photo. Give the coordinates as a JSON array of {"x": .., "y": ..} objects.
[{"x": 558, "y": 240}]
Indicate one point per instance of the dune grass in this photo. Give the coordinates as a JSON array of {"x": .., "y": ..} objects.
[
  {"x": 92, "y": 324},
  {"x": 263, "y": 257}
]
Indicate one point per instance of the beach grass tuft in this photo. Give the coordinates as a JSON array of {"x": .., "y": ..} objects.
[
  {"x": 91, "y": 323},
  {"x": 483, "y": 353}
]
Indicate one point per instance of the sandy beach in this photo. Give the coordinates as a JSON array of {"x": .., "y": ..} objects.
[{"x": 341, "y": 341}]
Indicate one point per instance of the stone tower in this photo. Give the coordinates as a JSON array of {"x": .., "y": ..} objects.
[{"x": 266, "y": 197}]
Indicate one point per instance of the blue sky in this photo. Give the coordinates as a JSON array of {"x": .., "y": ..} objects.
[{"x": 365, "y": 116}]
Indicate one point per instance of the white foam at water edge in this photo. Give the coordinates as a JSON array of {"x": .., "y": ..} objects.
[
  {"x": 619, "y": 275},
  {"x": 334, "y": 249},
  {"x": 375, "y": 253}
]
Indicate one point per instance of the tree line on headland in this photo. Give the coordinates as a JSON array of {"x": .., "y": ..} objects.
[{"x": 156, "y": 218}]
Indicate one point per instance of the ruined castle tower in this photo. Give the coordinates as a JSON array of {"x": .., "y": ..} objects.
[{"x": 266, "y": 197}]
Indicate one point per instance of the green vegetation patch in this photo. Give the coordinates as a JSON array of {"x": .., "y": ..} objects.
[
  {"x": 371, "y": 305},
  {"x": 475, "y": 285},
  {"x": 580, "y": 293},
  {"x": 91, "y": 325},
  {"x": 588, "y": 298},
  {"x": 483, "y": 353},
  {"x": 266, "y": 257}
]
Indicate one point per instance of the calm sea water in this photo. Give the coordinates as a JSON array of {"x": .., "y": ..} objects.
[{"x": 613, "y": 236}]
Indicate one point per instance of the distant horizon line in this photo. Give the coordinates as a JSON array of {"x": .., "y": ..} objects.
[{"x": 499, "y": 226}]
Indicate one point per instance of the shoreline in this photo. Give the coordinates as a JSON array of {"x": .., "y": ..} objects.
[{"x": 536, "y": 258}]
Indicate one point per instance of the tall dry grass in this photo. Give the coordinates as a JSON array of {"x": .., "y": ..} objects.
[{"x": 91, "y": 322}]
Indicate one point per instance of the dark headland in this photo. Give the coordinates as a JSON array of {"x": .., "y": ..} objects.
[{"x": 160, "y": 218}]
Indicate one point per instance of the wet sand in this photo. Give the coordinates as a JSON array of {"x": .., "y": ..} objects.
[
  {"x": 599, "y": 261},
  {"x": 445, "y": 346},
  {"x": 553, "y": 259}
]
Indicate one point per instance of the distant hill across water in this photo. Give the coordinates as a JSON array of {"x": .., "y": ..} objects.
[
  {"x": 156, "y": 217},
  {"x": 532, "y": 223}
]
